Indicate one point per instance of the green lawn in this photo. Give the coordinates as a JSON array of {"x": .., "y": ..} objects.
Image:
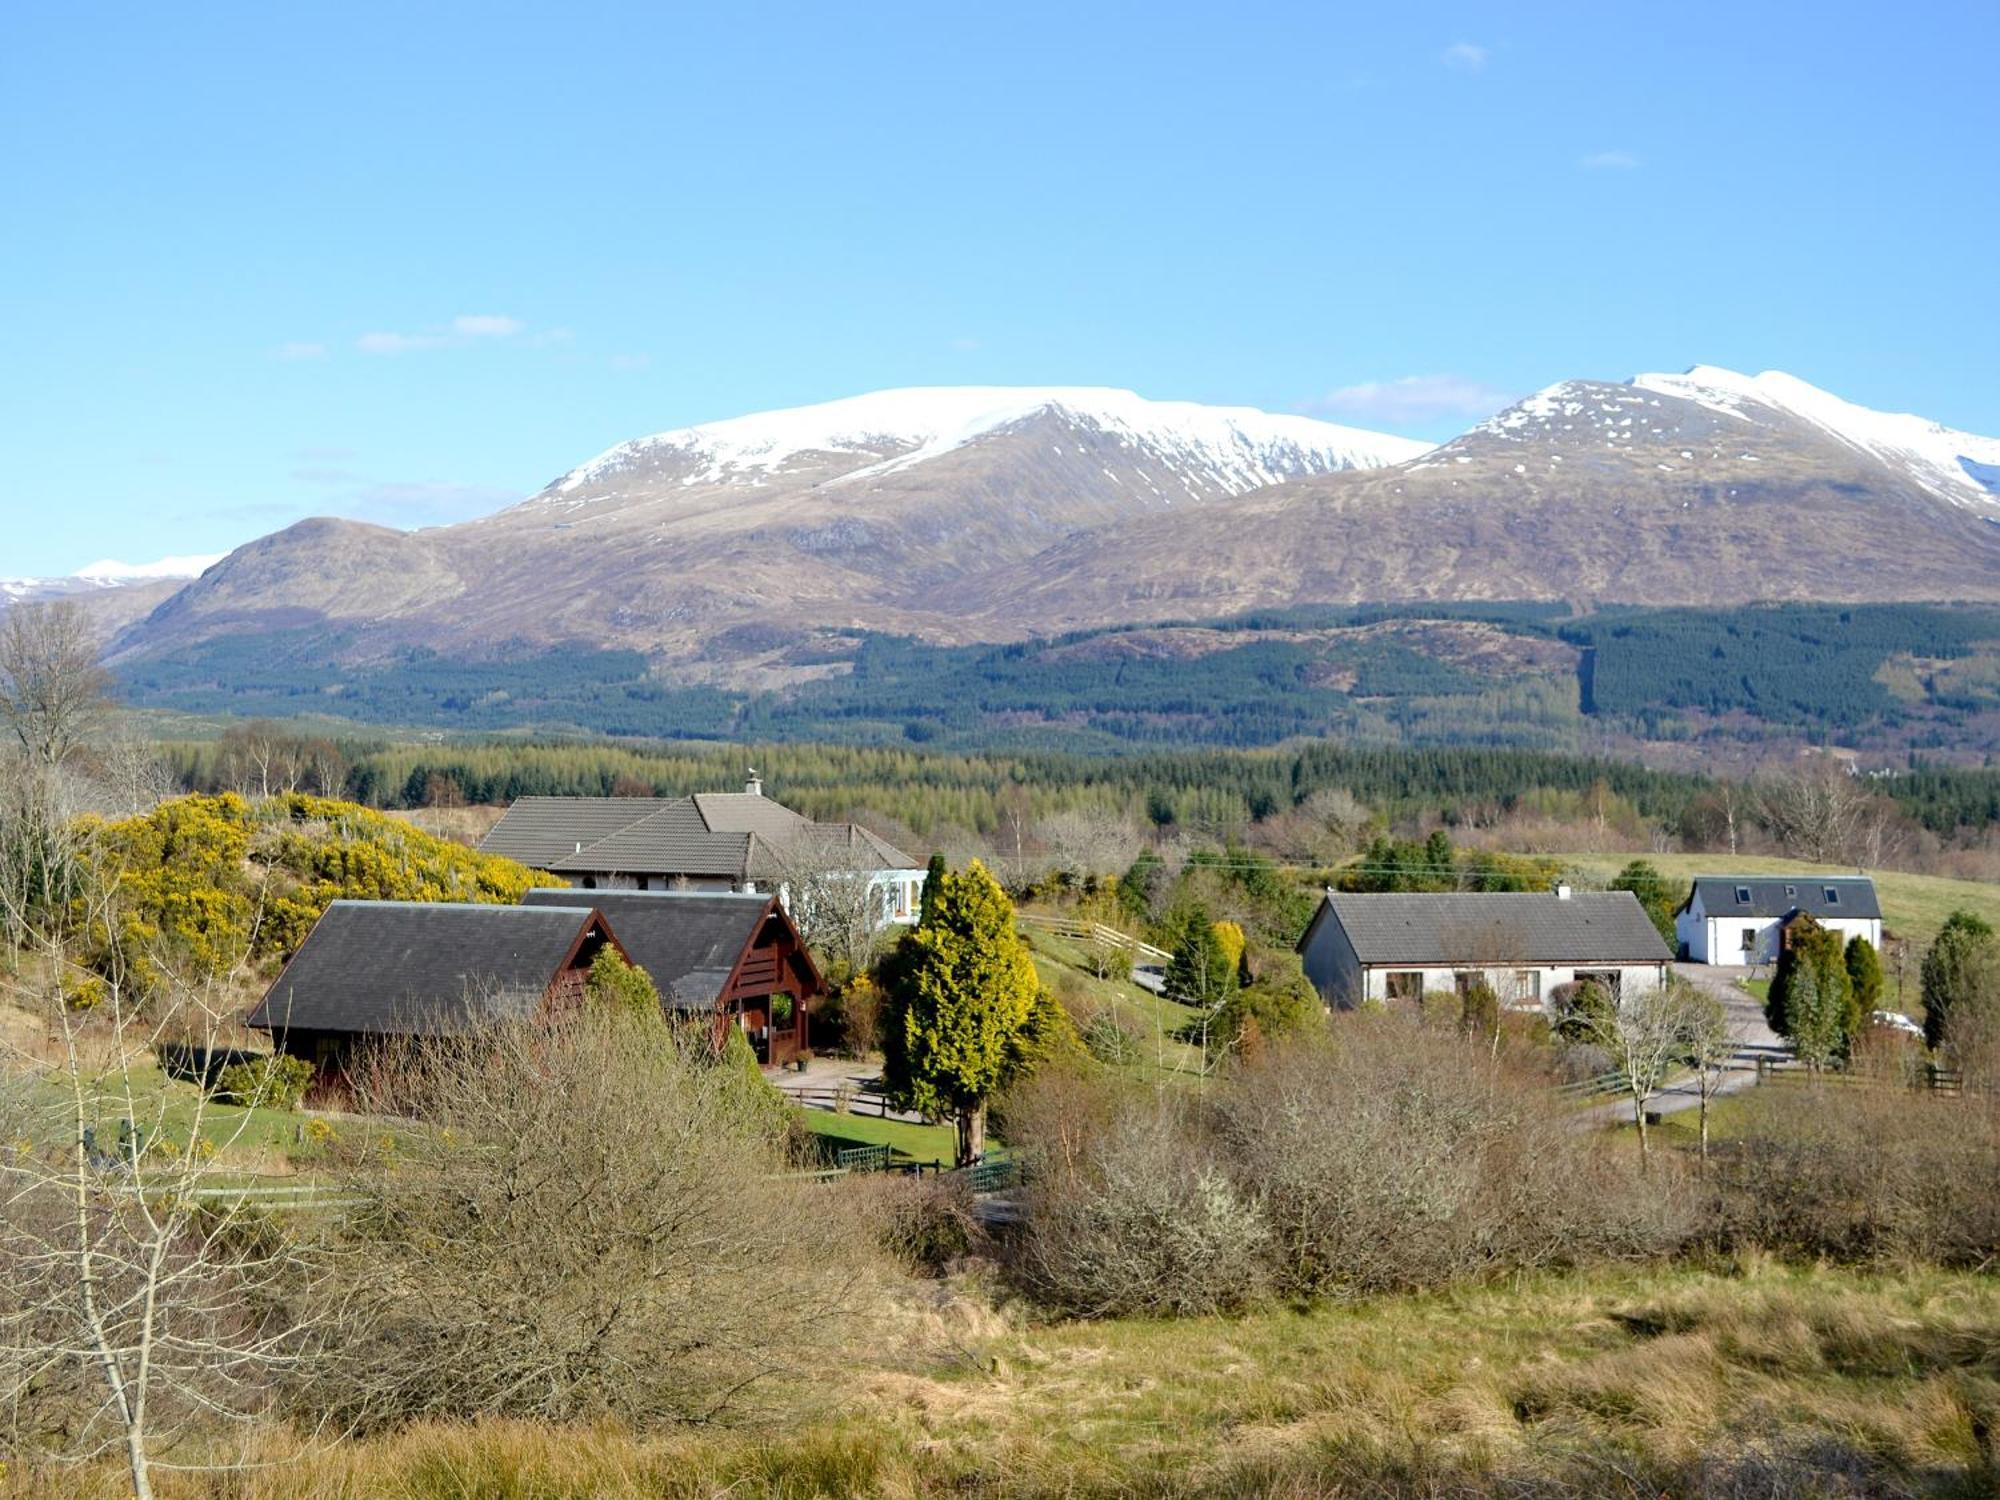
[
  {"x": 907, "y": 1142},
  {"x": 166, "y": 1107},
  {"x": 1913, "y": 906}
]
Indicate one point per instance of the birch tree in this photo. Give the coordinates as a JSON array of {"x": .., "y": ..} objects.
[{"x": 144, "y": 1301}]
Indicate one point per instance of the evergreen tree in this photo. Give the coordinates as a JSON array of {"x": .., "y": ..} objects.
[
  {"x": 933, "y": 875},
  {"x": 621, "y": 986},
  {"x": 962, "y": 991},
  {"x": 1812, "y": 999},
  {"x": 1864, "y": 975},
  {"x": 1965, "y": 949},
  {"x": 1644, "y": 881},
  {"x": 1202, "y": 972}
]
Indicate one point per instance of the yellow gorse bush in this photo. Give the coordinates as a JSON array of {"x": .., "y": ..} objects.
[{"x": 205, "y": 883}]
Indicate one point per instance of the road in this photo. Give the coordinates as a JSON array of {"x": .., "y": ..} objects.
[{"x": 1755, "y": 1042}]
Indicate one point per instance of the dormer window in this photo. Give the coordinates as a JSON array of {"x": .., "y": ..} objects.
[
  {"x": 1832, "y": 896},
  {"x": 1743, "y": 895}
]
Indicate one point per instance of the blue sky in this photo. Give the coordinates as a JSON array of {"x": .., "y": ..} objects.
[{"x": 409, "y": 262}]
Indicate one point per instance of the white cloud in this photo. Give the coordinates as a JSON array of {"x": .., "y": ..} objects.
[
  {"x": 1609, "y": 161},
  {"x": 485, "y": 326},
  {"x": 298, "y": 351},
  {"x": 1412, "y": 398},
  {"x": 466, "y": 328},
  {"x": 1464, "y": 57}
]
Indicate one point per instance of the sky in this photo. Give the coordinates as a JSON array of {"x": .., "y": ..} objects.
[{"x": 407, "y": 263}]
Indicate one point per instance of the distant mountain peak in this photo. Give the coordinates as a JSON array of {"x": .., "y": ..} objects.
[
  {"x": 1955, "y": 466},
  {"x": 1240, "y": 446}
]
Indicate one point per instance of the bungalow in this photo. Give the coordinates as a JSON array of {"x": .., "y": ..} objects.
[
  {"x": 734, "y": 955},
  {"x": 1395, "y": 946},
  {"x": 375, "y": 969},
  {"x": 711, "y": 841},
  {"x": 1742, "y": 919}
]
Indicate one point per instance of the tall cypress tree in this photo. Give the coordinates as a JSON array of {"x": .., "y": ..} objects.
[{"x": 962, "y": 993}]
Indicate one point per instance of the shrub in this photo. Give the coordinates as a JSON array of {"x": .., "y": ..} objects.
[
  {"x": 1149, "y": 1223},
  {"x": 589, "y": 1221},
  {"x": 278, "y": 1081},
  {"x": 621, "y": 985},
  {"x": 926, "y": 1224},
  {"x": 1863, "y": 1173},
  {"x": 1391, "y": 1155}
]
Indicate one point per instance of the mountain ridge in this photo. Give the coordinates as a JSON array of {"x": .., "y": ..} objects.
[{"x": 962, "y": 514}]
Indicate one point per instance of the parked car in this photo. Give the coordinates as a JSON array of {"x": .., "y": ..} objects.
[{"x": 1895, "y": 1020}]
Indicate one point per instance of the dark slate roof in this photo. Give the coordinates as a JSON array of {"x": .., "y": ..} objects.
[
  {"x": 1781, "y": 895},
  {"x": 1497, "y": 928},
  {"x": 688, "y": 941},
  {"x": 426, "y": 968},
  {"x": 726, "y": 835},
  {"x": 670, "y": 841},
  {"x": 539, "y": 830}
]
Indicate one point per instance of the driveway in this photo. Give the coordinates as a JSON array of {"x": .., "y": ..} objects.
[
  {"x": 1755, "y": 1042},
  {"x": 815, "y": 1088}
]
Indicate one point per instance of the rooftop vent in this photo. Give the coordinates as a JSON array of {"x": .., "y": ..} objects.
[
  {"x": 755, "y": 785},
  {"x": 1562, "y": 893}
]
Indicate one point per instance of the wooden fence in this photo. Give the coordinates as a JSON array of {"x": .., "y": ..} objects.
[{"x": 1094, "y": 932}]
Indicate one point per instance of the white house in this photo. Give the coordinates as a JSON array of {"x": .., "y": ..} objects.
[
  {"x": 1741, "y": 919},
  {"x": 711, "y": 841},
  {"x": 1395, "y": 946}
]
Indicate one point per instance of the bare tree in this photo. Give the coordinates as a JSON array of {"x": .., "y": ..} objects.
[
  {"x": 832, "y": 895},
  {"x": 583, "y": 1218},
  {"x": 1644, "y": 1034},
  {"x": 144, "y": 1303},
  {"x": 1083, "y": 842},
  {"x": 1708, "y": 1046},
  {"x": 1823, "y": 814},
  {"x": 53, "y": 692}
]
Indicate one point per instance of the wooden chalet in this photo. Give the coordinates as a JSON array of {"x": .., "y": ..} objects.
[
  {"x": 371, "y": 970},
  {"x": 737, "y": 956}
]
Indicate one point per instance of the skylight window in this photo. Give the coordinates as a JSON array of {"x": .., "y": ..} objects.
[
  {"x": 1743, "y": 894},
  {"x": 1832, "y": 896},
  {"x": 1791, "y": 891}
]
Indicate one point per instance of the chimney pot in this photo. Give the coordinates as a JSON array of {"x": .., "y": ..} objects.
[{"x": 755, "y": 785}]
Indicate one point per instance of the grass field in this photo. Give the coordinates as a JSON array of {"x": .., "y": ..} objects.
[
  {"x": 1153, "y": 1021},
  {"x": 1750, "y": 1380},
  {"x": 907, "y": 1142},
  {"x": 1913, "y": 906}
]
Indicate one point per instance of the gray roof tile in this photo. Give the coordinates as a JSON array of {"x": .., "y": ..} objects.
[
  {"x": 1497, "y": 928},
  {"x": 422, "y": 968},
  {"x": 1850, "y": 896}
]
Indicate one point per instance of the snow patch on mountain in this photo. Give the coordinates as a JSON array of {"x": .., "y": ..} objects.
[
  {"x": 110, "y": 571},
  {"x": 1237, "y": 448},
  {"x": 1955, "y": 466}
]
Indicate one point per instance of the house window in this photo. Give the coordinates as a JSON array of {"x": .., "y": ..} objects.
[
  {"x": 1525, "y": 987},
  {"x": 1832, "y": 896},
  {"x": 1749, "y": 940},
  {"x": 1791, "y": 891},
  {"x": 1743, "y": 895},
  {"x": 1404, "y": 984}
]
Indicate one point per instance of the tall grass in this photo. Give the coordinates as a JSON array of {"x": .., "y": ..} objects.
[{"x": 1746, "y": 1379}]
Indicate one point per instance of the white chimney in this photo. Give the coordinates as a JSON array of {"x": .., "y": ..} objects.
[
  {"x": 1562, "y": 893},
  {"x": 755, "y": 785}
]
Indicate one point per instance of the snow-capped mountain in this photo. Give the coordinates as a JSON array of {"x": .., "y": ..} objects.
[
  {"x": 1218, "y": 449},
  {"x": 751, "y": 550},
  {"x": 109, "y": 573},
  {"x": 1957, "y": 466}
]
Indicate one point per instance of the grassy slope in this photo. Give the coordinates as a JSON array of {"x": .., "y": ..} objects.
[
  {"x": 1913, "y": 906},
  {"x": 1617, "y": 1383},
  {"x": 1152, "y": 1020}
]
